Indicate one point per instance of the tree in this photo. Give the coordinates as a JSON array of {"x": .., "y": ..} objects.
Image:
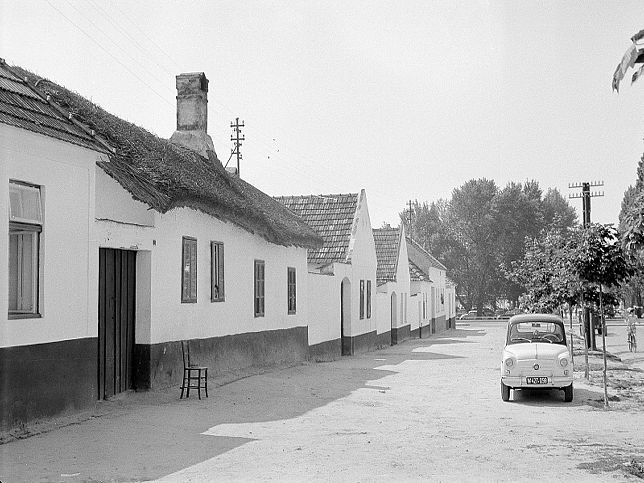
[
  {"x": 481, "y": 231},
  {"x": 557, "y": 212},
  {"x": 600, "y": 260}
]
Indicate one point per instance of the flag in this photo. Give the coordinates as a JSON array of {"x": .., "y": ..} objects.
[
  {"x": 638, "y": 73},
  {"x": 627, "y": 61}
]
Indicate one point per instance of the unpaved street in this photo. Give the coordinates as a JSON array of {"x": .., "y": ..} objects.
[{"x": 427, "y": 409}]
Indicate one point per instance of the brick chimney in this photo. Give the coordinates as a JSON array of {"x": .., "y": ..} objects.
[{"x": 192, "y": 113}]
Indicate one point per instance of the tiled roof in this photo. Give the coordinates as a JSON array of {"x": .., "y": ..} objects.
[
  {"x": 23, "y": 107},
  {"x": 387, "y": 242},
  {"x": 331, "y": 217},
  {"x": 164, "y": 175},
  {"x": 432, "y": 261},
  {"x": 416, "y": 274}
]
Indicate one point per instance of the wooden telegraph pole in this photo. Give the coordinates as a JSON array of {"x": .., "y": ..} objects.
[
  {"x": 237, "y": 137},
  {"x": 586, "y": 195}
]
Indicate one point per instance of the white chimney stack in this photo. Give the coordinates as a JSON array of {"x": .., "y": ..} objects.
[{"x": 192, "y": 113}]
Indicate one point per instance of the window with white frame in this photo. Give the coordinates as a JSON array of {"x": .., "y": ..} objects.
[
  {"x": 368, "y": 299},
  {"x": 217, "y": 272},
  {"x": 25, "y": 228}
]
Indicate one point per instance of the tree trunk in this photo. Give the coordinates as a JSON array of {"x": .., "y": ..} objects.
[
  {"x": 603, "y": 322},
  {"x": 572, "y": 355},
  {"x": 585, "y": 334}
]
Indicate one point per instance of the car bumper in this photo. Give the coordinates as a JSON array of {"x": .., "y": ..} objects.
[{"x": 519, "y": 382}]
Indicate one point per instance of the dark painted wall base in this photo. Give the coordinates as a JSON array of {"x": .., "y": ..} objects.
[
  {"x": 426, "y": 331},
  {"x": 45, "y": 380},
  {"x": 326, "y": 351},
  {"x": 161, "y": 365},
  {"x": 441, "y": 323},
  {"x": 363, "y": 342},
  {"x": 401, "y": 333},
  {"x": 383, "y": 340}
]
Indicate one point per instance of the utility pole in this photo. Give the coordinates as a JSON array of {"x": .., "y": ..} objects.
[
  {"x": 586, "y": 195},
  {"x": 237, "y": 137}
]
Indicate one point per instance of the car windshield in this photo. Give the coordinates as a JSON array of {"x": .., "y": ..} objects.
[{"x": 535, "y": 331}]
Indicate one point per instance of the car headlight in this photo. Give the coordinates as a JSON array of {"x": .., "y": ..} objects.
[
  {"x": 563, "y": 361},
  {"x": 509, "y": 362}
]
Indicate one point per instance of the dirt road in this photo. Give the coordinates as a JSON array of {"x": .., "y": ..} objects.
[{"x": 424, "y": 410}]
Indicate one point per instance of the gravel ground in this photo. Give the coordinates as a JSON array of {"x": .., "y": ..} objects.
[{"x": 427, "y": 409}]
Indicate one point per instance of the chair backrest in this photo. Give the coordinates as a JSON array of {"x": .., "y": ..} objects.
[{"x": 185, "y": 351}]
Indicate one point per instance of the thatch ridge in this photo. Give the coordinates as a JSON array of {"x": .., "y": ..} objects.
[{"x": 164, "y": 175}]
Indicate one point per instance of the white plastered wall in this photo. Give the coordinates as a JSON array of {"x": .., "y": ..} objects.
[
  {"x": 324, "y": 318},
  {"x": 363, "y": 267},
  {"x": 69, "y": 259},
  {"x": 160, "y": 315}
]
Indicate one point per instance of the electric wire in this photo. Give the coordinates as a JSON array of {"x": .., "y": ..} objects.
[
  {"x": 304, "y": 174},
  {"x": 110, "y": 54}
]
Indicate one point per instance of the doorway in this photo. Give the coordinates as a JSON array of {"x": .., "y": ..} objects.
[
  {"x": 394, "y": 322},
  {"x": 345, "y": 317},
  {"x": 116, "y": 309}
]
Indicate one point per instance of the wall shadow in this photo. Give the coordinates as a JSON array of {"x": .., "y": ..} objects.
[{"x": 144, "y": 436}]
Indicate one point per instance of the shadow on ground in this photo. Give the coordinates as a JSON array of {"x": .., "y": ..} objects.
[
  {"x": 143, "y": 436},
  {"x": 555, "y": 397}
]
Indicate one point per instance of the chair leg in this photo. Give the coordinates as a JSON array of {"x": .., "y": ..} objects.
[
  {"x": 199, "y": 384},
  {"x": 206, "y": 382},
  {"x": 183, "y": 384}
]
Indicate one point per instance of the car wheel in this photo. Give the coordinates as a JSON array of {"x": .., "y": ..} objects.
[
  {"x": 568, "y": 393},
  {"x": 505, "y": 392}
]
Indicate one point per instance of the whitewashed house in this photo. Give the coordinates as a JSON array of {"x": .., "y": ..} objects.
[
  {"x": 49, "y": 267},
  {"x": 342, "y": 273},
  {"x": 397, "y": 318},
  {"x": 439, "y": 301},
  {"x": 142, "y": 243}
]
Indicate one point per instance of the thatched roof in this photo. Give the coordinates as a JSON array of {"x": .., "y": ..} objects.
[{"x": 164, "y": 175}]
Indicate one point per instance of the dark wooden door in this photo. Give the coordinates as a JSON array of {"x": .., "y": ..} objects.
[{"x": 116, "y": 290}]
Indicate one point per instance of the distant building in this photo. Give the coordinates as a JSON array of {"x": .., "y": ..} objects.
[
  {"x": 397, "y": 320},
  {"x": 342, "y": 273}
]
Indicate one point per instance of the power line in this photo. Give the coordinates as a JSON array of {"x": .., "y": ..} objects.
[
  {"x": 260, "y": 138},
  {"x": 109, "y": 53},
  {"x": 97, "y": 27},
  {"x": 115, "y": 23}
]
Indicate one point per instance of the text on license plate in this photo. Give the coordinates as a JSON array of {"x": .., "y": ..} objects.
[{"x": 536, "y": 380}]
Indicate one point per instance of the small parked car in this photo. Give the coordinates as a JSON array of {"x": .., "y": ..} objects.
[
  {"x": 473, "y": 314},
  {"x": 508, "y": 313},
  {"x": 536, "y": 355}
]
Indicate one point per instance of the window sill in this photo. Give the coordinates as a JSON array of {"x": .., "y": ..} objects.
[{"x": 24, "y": 316}]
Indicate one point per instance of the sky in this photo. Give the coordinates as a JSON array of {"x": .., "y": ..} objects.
[{"x": 406, "y": 99}]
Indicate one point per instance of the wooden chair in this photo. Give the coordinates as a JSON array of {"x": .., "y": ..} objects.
[{"x": 193, "y": 374}]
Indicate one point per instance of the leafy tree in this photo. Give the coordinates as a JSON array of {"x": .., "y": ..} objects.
[
  {"x": 600, "y": 260},
  {"x": 557, "y": 212},
  {"x": 480, "y": 231}
]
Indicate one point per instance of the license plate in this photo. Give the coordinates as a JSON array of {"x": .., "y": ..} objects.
[{"x": 536, "y": 380}]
